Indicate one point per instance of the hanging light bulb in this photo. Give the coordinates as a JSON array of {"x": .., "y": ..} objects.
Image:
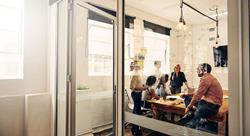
[
  {"x": 184, "y": 27},
  {"x": 217, "y": 40},
  {"x": 182, "y": 24}
]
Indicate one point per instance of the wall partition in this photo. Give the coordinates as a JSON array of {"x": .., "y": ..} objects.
[
  {"x": 85, "y": 92},
  {"x": 94, "y": 55},
  {"x": 160, "y": 116}
]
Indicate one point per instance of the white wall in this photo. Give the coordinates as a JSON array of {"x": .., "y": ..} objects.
[
  {"x": 203, "y": 50},
  {"x": 181, "y": 52},
  {"x": 192, "y": 47},
  {"x": 12, "y": 116},
  {"x": 37, "y": 117}
]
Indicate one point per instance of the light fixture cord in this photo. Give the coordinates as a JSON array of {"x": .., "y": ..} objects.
[
  {"x": 217, "y": 22},
  {"x": 181, "y": 6}
]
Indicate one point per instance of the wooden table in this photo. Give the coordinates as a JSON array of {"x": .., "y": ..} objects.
[{"x": 168, "y": 106}]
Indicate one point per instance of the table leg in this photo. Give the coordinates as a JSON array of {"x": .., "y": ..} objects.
[
  {"x": 172, "y": 117},
  {"x": 155, "y": 112}
]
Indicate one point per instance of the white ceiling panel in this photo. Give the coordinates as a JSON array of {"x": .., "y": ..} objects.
[{"x": 170, "y": 9}]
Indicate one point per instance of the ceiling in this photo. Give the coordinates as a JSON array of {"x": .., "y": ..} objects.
[{"x": 170, "y": 9}]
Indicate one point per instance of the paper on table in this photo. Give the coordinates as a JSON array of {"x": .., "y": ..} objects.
[
  {"x": 225, "y": 97},
  {"x": 174, "y": 97}
]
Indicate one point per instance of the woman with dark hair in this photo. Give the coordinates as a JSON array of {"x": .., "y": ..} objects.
[
  {"x": 161, "y": 87},
  {"x": 150, "y": 93}
]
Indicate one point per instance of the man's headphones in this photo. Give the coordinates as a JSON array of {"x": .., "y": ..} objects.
[
  {"x": 204, "y": 67},
  {"x": 200, "y": 69}
]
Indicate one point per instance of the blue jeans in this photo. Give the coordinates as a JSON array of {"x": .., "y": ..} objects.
[
  {"x": 204, "y": 110},
  {"x": 137, "y": 110}
]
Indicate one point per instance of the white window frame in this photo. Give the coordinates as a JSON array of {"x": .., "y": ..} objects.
[
  {"x": 129, "y": 49},
  {"x": 166, "y": 62},
  {"x": 105, "y": 26}
]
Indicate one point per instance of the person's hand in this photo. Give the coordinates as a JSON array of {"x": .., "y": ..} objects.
[
  {"x": 145, "y": 86},
  {"x": 190, "y": 88},
  {"x": 186, "y": 110},
  {"x": 157, "y": 97},
  {"x": 183, "y": 95}
]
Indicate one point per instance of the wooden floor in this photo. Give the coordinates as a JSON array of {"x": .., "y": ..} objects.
[{"x": 146, "y": 132}]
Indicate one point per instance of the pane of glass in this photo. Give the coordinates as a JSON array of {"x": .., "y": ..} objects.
[
  {"x": 129, "y": 49},
  {"x": 157, "y": 46},
  {"x": 10, "y": 42},
  {"x": 153, "y": 99},
  {"x": 10, "y": 18},
  {"x": 100, "y": 45},
  {"x": 10, "y": 66},
  {"x": 12, "y": 3},
  {"x": 94, "y": 74}
]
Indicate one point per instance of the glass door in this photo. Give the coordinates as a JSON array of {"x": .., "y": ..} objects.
[
  {"x": 85, "y": 85},
  {"x": 93, "y": 49}
]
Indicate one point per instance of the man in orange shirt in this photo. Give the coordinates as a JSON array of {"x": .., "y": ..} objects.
[{"x": 206, "y": 101}]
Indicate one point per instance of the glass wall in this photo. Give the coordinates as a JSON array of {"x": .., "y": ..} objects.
[
  {"x": 155, "y": 55},
  {"x": 164, "y": 91},
  {"x": 85, "y": 71},
  {"x": 94, "y": 43}
]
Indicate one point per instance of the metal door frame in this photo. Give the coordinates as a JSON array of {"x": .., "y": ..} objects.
[{"x": 71, "y": 98}]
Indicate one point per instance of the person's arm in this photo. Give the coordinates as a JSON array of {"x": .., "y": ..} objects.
[
  {"x": 185, "y": 82},
  {"x": 154, "y": 95},
  {"x": 188, "y": 87},
  {"x": 143, "y": 87},
  {"x": 186, "y": 95},
  {"x": 171, "y": 76},
  {"x": 203, "y": 87},
  {"x": 151, "y": 94}
]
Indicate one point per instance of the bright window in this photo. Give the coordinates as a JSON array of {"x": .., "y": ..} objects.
[
  {"x": 157, "y": 46},
  {"x": 11, "y": 45},
  {"x": 129, "y": 49},
  {"x": 100, "y": 48}
]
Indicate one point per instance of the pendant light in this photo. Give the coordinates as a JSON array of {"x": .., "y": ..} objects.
[{"x": 181, "y": 24}]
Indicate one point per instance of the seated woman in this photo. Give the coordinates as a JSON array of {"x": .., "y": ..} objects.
[
  {"x": 150, "y": 93},
  {"x": 161, "y": 87}
]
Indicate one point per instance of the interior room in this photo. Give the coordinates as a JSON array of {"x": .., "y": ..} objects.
[
  {"x": 152, "y": 32},
  {"x": 83, "y": 68}
]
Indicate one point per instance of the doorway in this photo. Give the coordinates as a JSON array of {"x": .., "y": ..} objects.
[{"x": 85, "y": 70}]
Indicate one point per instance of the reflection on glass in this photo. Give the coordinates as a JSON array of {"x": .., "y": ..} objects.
[{"x": 94, "y": 73}]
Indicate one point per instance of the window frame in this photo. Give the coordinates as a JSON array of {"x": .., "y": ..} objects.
[
  {"x": 166, "y": 60},
  {"x": 102, "y": 25}
]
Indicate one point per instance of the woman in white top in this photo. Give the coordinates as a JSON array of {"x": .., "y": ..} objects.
[{"x": 157, "y": 72}]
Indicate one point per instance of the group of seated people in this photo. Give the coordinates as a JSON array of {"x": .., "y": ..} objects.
[{"x": 201, "y": 103}]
